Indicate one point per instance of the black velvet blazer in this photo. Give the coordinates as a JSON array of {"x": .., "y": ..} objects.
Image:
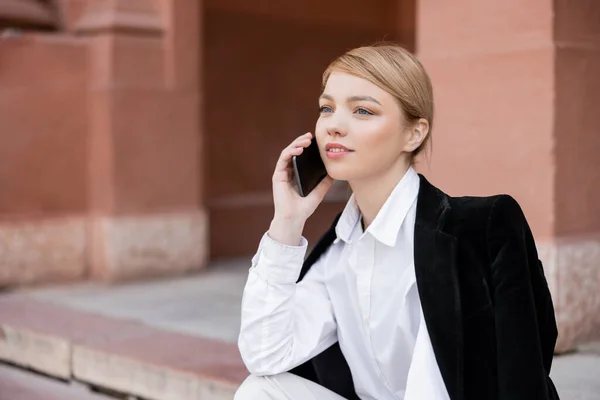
[{"x": 484, "y": 296}]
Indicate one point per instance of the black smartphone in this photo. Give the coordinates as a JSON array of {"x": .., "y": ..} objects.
[{"x": 309, "y": 169}]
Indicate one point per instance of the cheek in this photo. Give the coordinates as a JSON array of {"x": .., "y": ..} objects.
[
  {"x": 320, "y": 131},
  {"x": 380, "y": 139}
]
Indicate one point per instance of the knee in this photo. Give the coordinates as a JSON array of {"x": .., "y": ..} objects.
[{"x": 252, "y": 388}]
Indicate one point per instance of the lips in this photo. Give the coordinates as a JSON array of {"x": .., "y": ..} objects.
[
  {"x": 336, "y": 147},
  {"x": 336, "y": 151}
]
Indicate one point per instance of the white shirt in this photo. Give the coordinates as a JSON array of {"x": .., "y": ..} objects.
[{"x": 362, "y": 292}]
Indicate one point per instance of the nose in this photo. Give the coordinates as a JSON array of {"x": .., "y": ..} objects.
[{"x": 336, "y": 125}]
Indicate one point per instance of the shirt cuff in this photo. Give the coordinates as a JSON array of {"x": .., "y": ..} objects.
[{"x": 278, "y": 262}]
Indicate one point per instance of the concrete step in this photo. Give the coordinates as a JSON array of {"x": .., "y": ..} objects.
[
  {"x": 170, "y": 339},
  {"x": 123, "y": 355},
  {"x": 18, "y": 384}
]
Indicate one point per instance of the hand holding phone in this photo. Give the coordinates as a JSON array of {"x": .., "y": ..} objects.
[
  {"x": 291, "y": 209},
  {"x": 309, "y": 169}
]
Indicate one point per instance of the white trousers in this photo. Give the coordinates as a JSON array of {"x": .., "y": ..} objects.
[{"x": 284, "y": 386}]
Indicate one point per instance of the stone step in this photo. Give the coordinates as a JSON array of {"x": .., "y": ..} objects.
[
  {"x": 121, "y": 355},
  {"x": 18, "y": 384}
]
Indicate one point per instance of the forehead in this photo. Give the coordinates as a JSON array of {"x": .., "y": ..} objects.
[{"x": 341, "y": 84}]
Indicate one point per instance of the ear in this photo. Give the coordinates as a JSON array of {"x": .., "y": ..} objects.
[{"x": 416, "y": 134}]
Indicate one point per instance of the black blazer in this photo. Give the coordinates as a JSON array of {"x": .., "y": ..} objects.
[{"x": 484, "y": 296}]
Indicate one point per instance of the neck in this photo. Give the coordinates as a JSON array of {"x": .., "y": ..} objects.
[{"x": 371, "y": 193}]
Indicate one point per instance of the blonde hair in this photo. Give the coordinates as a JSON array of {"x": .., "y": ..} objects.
[{"x": 395, "y": 70}]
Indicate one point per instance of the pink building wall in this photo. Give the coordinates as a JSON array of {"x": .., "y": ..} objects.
[{"x": 110, "y": 166}]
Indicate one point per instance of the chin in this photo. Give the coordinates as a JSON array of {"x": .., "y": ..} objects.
[{"x": 340, "y": 173}]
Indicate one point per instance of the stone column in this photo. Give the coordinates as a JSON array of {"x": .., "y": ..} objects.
[
  {"x": 575, "y": 249},
  {"x": 516, "y": 84},
  {"x": 145, "y": 198},
  {"x": 43, "y": 136}
]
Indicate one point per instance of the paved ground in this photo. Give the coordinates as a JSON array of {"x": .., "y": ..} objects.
[{"x": 208, "y": 305}]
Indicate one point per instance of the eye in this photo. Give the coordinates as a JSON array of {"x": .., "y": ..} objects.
[
  {"x": 325, "y": 109},
  {"x": 363, "y": 111}
]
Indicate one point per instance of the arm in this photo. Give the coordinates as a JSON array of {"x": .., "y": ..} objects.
[
  {"x": 524, "y": 314},
  {"x": 284, "y": 323}
]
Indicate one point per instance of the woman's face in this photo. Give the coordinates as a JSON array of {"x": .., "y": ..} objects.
[{"x": 360, "y": 129}]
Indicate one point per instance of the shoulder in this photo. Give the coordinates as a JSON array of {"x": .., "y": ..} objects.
[
  {"x": 495, "y": 220},
  {"x": 496, "y": 208},
  {"x": 495, "y": 225},
  {"x": 506, "y": 217},
  {"x": 496, "y": 215}
]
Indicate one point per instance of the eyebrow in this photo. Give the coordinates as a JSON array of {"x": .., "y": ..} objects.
[{"x": 352, "y": 99}]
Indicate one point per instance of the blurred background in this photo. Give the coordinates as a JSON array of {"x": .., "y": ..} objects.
[{"x": 138, "y": 139}]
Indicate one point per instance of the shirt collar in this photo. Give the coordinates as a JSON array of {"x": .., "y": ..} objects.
[
  {"x": 348, "y": 221},
  {"x": 387, "y": 223}
]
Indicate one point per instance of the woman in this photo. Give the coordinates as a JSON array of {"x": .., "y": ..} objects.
[{"x": 411, "y": 294}]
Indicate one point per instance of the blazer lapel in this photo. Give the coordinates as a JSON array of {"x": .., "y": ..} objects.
[{"x": 437, "y": 283}]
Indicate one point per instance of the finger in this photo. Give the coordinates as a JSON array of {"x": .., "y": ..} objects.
[
  {"x": 294, "y": 149},
  {"x": 306, "y": 138},
  {"x": 301, "y": 141},
  {"x": 286, "y": 157},
  {"x": 287, "y": 176}
]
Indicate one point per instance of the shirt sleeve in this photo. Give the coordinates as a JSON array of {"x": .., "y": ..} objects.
[{"x": 284, "y": 323}]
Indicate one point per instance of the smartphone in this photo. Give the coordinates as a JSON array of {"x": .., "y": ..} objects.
[{"x": 309, "y": 169}]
